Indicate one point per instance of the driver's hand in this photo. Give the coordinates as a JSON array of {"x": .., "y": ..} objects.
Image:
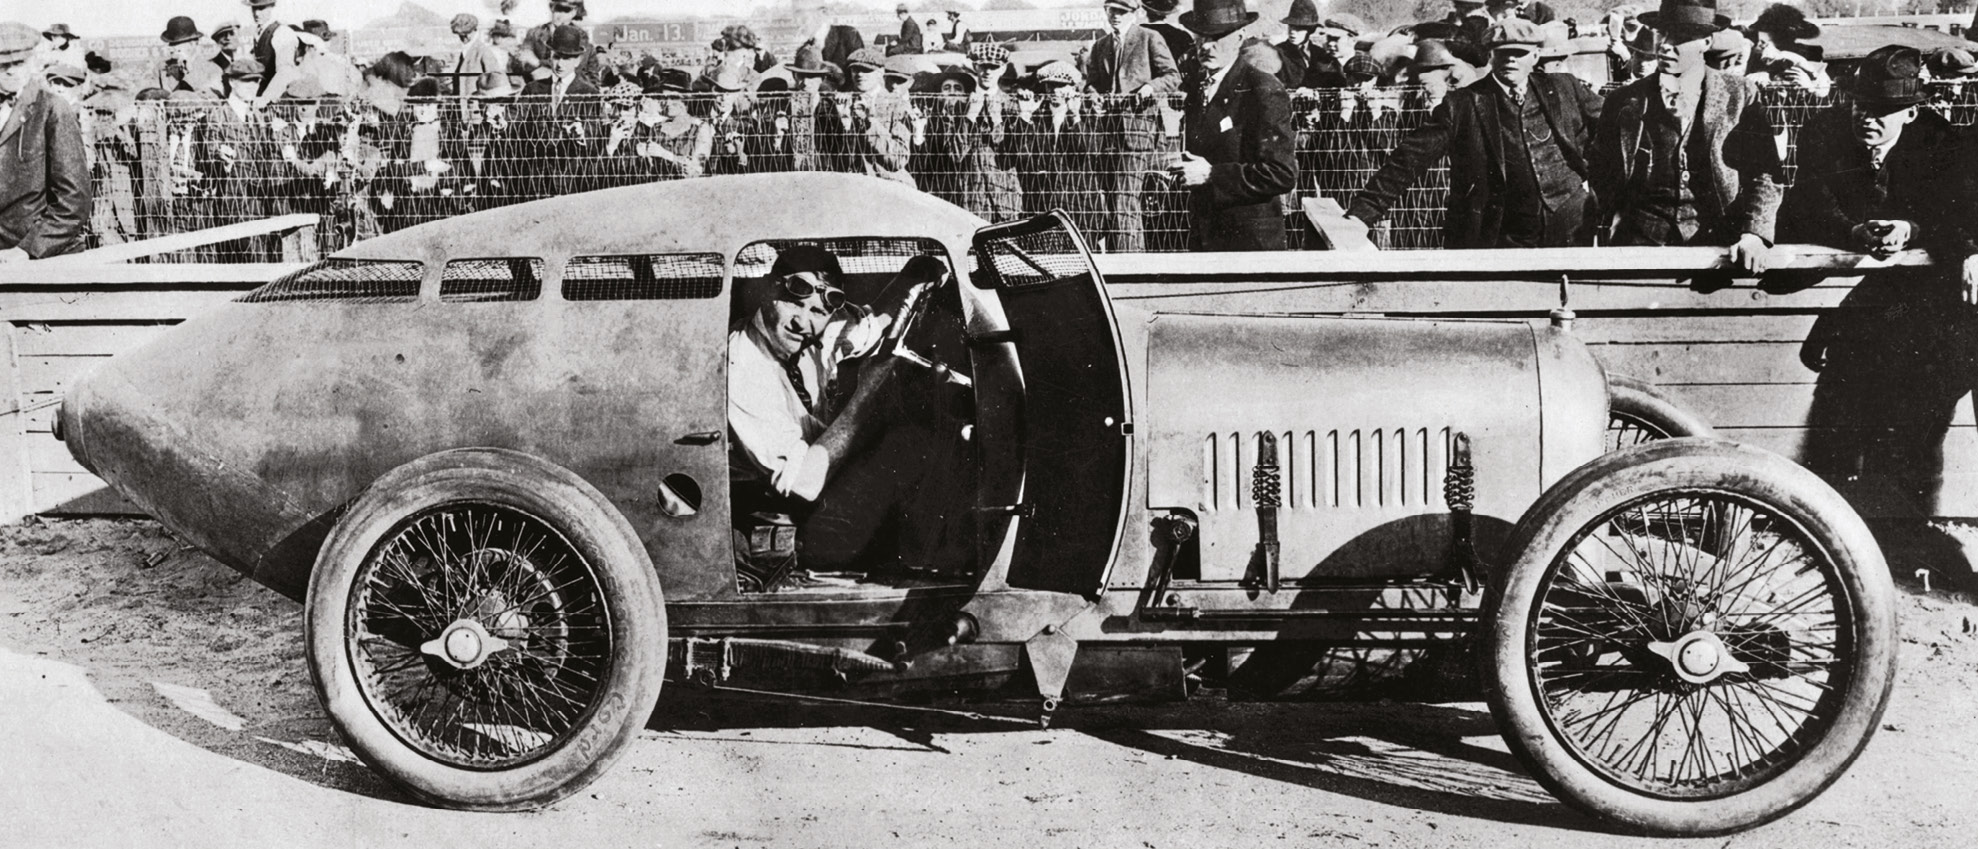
[{"x": 1751, "y": 254}]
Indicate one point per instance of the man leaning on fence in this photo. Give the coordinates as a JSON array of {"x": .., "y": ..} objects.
[
  {"x": 1686, "y": 156},
  {"x": 1129, "y": 67},
  {"x": 44, "y": 168},
  {"x": 1239, "y": 159},
  {"x": 1516, "y": 143}
]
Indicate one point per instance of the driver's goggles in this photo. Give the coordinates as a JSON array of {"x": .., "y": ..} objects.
[{"x": 803, "y": 284}]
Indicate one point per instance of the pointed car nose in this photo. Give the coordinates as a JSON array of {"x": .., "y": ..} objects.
[{"x": 157, "y": 425}]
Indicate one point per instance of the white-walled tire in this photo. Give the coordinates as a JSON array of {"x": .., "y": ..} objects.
[
  {"x": 1690, "y": 637},
  {"x": 486, "y": 630}
]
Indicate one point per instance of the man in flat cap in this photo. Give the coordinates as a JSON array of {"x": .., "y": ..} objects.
[
  {"x": 879, "y": 123},
  {"x": 1238, "y": 160},
  {"x": 1517, "y": 145},
  {"x": 44, "y": 185},
  {"x": 1686, "y": 156},
  {"x": 837, "y": 469}
]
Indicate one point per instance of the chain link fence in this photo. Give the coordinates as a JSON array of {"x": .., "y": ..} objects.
[{"x": 183, "y": 165}]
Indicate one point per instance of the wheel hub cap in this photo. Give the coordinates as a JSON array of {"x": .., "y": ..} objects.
[
  {"x": 464, "y": 644},
  {"x": 1699, "y": 657}
]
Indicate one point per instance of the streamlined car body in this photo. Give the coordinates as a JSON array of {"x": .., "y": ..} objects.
[{"x": 493, "y": 455}]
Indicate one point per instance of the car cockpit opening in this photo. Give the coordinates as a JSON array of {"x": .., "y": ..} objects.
[{"x": 850, "y": 415}]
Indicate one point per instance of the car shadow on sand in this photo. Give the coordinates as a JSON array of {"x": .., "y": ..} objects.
[{"x": 1443, "y": 759}]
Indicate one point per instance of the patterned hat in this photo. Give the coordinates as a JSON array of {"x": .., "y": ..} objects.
[
  {"x": 988, "y": 53},
  {"x": 866, "y": 59},
  {"x": 623, "y": 93},
  {"x": 1057, "y": 72},
  {"x": 1363, "y": 67}
]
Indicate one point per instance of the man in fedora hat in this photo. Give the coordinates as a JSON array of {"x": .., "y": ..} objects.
[
  {"x": 1686, "y": 156},
  {"x": 57, "y": 47},
  {"x": 44, "y": 185},
  {"x": 1238, "y": 159},
  {"x": 1516, "y": 143},
  {"x": 184, "y": 68},
  {"x": 1307, "y": 64},
  {"x": 558, "y": 117},
  {"x": 1129, "y": 67},
  {"x": 562, "y": 13},
  {"x": 1872, "y": 168}
]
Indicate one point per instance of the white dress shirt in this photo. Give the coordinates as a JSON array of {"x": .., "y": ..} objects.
[{"x": 774, "y": 432}]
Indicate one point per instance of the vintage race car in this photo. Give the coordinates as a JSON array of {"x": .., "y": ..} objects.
[{"x": 493, "y": 455}]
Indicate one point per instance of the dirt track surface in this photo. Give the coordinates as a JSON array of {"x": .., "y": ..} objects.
[{"x": 94, "y": 614}]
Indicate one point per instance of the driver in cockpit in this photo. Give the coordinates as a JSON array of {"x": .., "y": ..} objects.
[{"x": 838, "y": 471}]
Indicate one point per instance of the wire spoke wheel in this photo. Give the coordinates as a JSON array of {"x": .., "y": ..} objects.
[
  {"x": 1691, "y": 644},
  {"x": 1625, "y": 430},
  {"x": 1690, "y": 637},
  {"x": 460, "y": 574}
]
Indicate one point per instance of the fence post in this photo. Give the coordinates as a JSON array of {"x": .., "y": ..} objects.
[{"x": 16, "y": 483}]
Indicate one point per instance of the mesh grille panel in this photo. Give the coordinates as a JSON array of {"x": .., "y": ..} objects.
[
  {"x": 484, "y": 280},
  {"x": 346, "y": 280},
  {"x": 659, "y": 277},
  {"x": 1034, "y": 258}
]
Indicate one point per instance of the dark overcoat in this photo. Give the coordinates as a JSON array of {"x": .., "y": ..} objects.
[
  {"x": 1467, "y": 127},
  {"x": 1838, "y": 187},
  {"x": 1244, "y": 131},
  {"x": 44, "y": 176}
]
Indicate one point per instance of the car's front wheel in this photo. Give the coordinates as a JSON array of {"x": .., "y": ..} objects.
[
  {"x": 486, "y": 630},
  {"x": 1690, "y": 637}
]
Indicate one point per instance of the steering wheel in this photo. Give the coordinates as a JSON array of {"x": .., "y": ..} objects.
[{"x": 919, "y": 298}]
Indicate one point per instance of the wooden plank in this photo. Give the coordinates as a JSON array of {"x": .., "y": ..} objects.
[
  {"x": 1745, "y": 405},
  {"x": 163, "y": 275},
  {"x": 1680, "y": 328},
  {"x": 46, "y": 454},
  {"x": 128, "y": 251},
  {"x": 81, "y": 340},
  {"x": 1707, "y": 362},
  {"x": 109, "y": 306},
  {"x": 16, "y": 488},
  {"x": 53, "y": 375},
  {"x": 79, "y": 494},
  {"x": 1535, "y": 263}
]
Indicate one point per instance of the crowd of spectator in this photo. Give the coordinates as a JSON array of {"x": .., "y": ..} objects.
[{"x": 263, "y": 118}]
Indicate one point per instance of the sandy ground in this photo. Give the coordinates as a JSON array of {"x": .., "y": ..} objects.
[{"x": 95, "y": 614}]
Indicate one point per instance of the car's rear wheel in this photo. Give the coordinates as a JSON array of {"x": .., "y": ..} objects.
[
  {"x": 1690, "y": 637},
  {"x": 485, "y": 630},
  {"x": 1637, "y": 412}
]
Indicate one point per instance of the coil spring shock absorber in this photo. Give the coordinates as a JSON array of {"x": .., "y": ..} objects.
[
  {"x": 1459, "y": 491},
  {"x": 1265, "y": 491}
]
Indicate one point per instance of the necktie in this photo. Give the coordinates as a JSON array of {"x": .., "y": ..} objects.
[
  {"x": 791, "y": 367},
  {"x": 1875, "y": 157}
]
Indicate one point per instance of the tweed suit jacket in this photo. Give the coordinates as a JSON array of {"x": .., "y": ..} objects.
[
  {"x": 1137, "y": 60},
  {"x": 1731, "y": 132},
  {"x": 44, "y": 176},
  {"x": 1466, "y": 126}
]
